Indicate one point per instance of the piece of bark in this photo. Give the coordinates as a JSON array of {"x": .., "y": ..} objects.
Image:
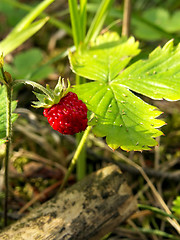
[{"x": 88, "y": 210}]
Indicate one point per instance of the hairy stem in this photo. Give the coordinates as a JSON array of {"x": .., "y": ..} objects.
[
  {"x": 76, "y": 156},
  {"x": 126, "y": 18},
  {"x": 35, "y": 85},
  {"x": 7, "y": 152},
  {"x": 8, "y": 141}
]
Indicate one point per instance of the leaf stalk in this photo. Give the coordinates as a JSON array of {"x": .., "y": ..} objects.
[{"x": 35, "y": 85}]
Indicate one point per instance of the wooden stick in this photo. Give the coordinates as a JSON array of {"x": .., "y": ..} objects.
[{"x": 88, "y": 210}]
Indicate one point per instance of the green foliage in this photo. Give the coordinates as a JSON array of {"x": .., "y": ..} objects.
[
  {"x": 14, "y": 15},
  {"x": 162, "y": 18},
  {"x": 122, "y": 117},
  {"x": 176, "y": 205},
  {"x": 156, "y": 23},
  {"x": 27, "y": 65},
  {"x": 24, "y": 29},
  {"x": 75, "y": 22},
  {"x": 101, "y": 62},
  {"x": 3, "y": 113},
  {"x": 78, "y": 20},
  {"x": 16, "y": 4},
  {"x": 157, "y": 77}
]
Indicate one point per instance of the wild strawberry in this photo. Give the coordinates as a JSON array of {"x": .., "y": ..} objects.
[
  {"x": 64, "y": 111},
  {"x": 69, "y": 116}
]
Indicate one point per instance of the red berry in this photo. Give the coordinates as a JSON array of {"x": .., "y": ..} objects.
[{"x": 69, "y": 116}]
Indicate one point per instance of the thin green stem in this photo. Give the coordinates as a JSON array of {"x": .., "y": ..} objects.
[
  {"x": 158, "y": 211},
  {"x": 78, "y": 22},
  {"x": 3, "y": 73},
  {"x": 35, "y": 85},
  {"x": 81, "y": 163},
  {"x": 76, "y": 156},
  {"x": 8, "y": 141},
  {"x": 7, "y": 151},
  {"x": 156, "y": 232},
  {"x": 81, "y": 166}
]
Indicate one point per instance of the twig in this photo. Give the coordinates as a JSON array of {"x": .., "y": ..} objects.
[
  {"x": 173, "y": 176},
  {"x": 30, "y": 133},
  {"x": 37, "y": 158},
  {"x": 126, "y": 18}
]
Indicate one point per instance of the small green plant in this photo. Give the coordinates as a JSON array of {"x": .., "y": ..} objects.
[
  {"x": 20, "y": 33},
  {"x": 108, "y": 80},
  {"x": 123, "y": 118}
]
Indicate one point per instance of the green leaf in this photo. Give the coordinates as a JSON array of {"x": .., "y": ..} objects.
[
  {"x": 124, "y": 119},
  {"x": 28, "y": 59},
  {"x": 29, "y": 8},
  {"x": 162, "y": 18},
  {"x": 146, "y": 30},
  {"x": 15, "y": 40},
  {"x": 120, "y": 116},
  {"x": 106, "y": 58},
  {"x": 157, "y": 77},
  {"x": 30, "y": 17},
  {"x": 176, "y": 205},
  {"x": 156, "y": 23},
  {"x": 25, "y": 28},
  {"x": 3, "y": 113}
]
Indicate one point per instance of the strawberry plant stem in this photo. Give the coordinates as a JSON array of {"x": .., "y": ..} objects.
[
  {"x": 7, "y": 151},
  {"x": 35, "y": 85},
  {"x": 76, "y": 156},
  {"x": 81, "y": 163},
  {"x": 8, "y": 141}
]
